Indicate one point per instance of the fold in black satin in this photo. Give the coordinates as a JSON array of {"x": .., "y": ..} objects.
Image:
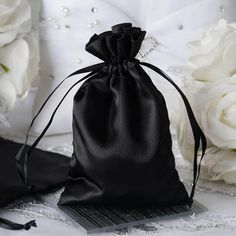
[
  {"x": 198, "y": 135},
  {"x": 22, "y": 156}
]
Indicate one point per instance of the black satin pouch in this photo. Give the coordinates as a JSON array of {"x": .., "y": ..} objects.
[
  {"x": 121, "y": 138},
  {"x": 122, "y": 142},
  {"x": 47, "y": 171}
]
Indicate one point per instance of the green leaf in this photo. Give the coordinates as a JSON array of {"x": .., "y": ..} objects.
[{"x": 3, "y": 68}]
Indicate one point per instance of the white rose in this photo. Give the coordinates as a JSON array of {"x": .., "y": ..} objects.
[
  {"x": 214, "y": 57},
  {"x": 7, "y": 98},
  {"x": 7, "y": 95},
  {"x": 216, "y": 107},
  {"x": 219, "y": 164},
  {"x": 15, "y": 18},
  {"x": 212, "y": 94},
  {"x": 22, "y": 59}
]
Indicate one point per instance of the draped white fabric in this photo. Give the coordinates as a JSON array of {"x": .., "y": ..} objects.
[{"x": 171, "y": 23}]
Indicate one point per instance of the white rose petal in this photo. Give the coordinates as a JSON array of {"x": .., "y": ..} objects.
[
  {"x": 7, "y": 7},
  {"x": 212, "y": 94},
  {"x": 33, "y": 63},
  {"x": 211, "y": 39},
  {"x": 7, "y": 95},
  {"x": 16, "y": 57},
  {"x": 214, "y": 57},
  {"x": 220, "y": 164},
  {"x": 8, "y": 37},
  {"x": 211, "y": 72},
  {"x": 15, "y": 18},
  {"x": 230, "y": 116},
  {"x": 215, "y": 103},
  {"x": 229, "y": 58}
]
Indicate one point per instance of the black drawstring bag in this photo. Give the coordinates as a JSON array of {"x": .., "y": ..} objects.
[
  {"x": 122, "y": 143},
  {"x": 46, "y": 170}
]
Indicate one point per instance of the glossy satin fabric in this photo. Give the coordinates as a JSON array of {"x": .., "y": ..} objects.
[
  {"x": 122, "y": 142},
  {"x": 47, "y": 170}
]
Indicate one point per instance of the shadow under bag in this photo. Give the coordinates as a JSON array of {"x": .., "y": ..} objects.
[{"x": 122, "y": 143}]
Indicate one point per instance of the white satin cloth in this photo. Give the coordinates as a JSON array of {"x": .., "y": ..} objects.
[{"x": 171, "y": 23}]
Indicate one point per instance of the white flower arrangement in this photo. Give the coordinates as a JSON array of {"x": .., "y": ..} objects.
[
  {"x": 212, "y": 94},
  {"x": 19, "y": 57}
]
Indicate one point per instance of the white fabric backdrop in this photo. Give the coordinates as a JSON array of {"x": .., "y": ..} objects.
[{"x": 172, "y": 24}]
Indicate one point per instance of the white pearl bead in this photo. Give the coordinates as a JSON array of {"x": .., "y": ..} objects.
[
  {"x": 66, "y": 10},
  {"x": 78, "y": 60},
  {"x": 96, "y": 22},
  {"x": 57, "y": 26},
  {"x": 93, "y": 9},
  {"x": 66, "y": 13},
  {"x": 180, "y": 27},
  {"x": 91, "y": 25},
  {"x": 51, "y": 77},
  {"x": 222, "y": 9}
]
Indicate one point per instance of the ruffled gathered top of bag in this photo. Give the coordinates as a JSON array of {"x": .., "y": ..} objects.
[{"x": 122, "y": 43}]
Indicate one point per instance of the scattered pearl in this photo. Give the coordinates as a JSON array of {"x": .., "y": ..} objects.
[
  {"x": 50, "y": 18},
  {"x": 154, "y": 44},
  {"x": 65, "y": 10},
  {"x": 222, "y": 9},
  {"x": 96, "y": 22},
  {"x": 57, "y": 26},
  {"x": 91, "y": 25},
  {"x": 180, "y": 27},
  {"x": 93, "y": 9},
  {"x": 51, "y": 77},
  {"x": 78, "y": 60},
  {"x": 67, "y": 26}
]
